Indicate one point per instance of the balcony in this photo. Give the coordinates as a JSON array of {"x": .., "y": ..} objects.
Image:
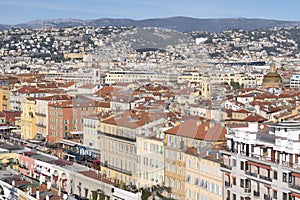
[
  {"x": 227, "y": 184},
  {"x": 117, "y": 136},
  {"x": 265, "y": 178},
  {"x": 40, "y": 114},
  {"x": 40, "y": 125},
  {"x": 292, "y": 185},
  {"x": 247, "y": 190},
  {"x": 256, "y": 193},
  {"x": 251, "y": 173},
  {"x": 117, "y": 169},
  {"x": 23, "y": 167},
  {"x": 226, "y": 166},
  {"x": 267, "y": 197}
]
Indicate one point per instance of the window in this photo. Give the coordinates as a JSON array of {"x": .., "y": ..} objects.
[
  {"x": 284, "y": 177},
  {"x": 242, "y": 165},
  {"x": 180, "y": 185},
  {"x": 188, "y": 178},
  {"x": 180, "y": 170},
  {"x": 242, "y": 183},
  {"x": 146, "y": 161},
  {"x": 234, "y": 180},
  {"x": 174, "y": 169},
  {"x": 284, "y": 196},
  {"x": 274, "y": 194},
  {"x": 188, "y": 193},
  {"x": 86, "y": 191},
  {"x": 168, "y": 167},
  {"x": 188, "y": 163},
  {"x": 275, "y": 175},
  {"x": 196, "y": 181},
  {"x": 234, "y": 162},
  {"x": 233, "y": 196}
]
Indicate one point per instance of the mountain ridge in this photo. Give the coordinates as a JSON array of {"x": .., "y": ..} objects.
[{"x": 177, "y": 23}]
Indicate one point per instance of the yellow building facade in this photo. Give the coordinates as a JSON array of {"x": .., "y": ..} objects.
[
  {"x": 4, "y": 98},
  {"x": 118, "y": 151},
  {"x": 28, "y": 119},
  {"x": 203, "y": 176},
  {"x": 9, "y": 160},
  {"x": 193, "y": 134}
]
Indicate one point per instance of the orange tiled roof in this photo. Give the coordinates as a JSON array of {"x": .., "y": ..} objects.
[{"x": 204, "y": 131}]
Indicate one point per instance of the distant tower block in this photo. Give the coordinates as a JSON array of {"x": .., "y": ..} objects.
[{"x": 206, "y": 86}]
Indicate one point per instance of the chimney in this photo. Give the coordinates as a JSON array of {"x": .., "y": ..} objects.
[
  {"x": 37, "y": 194},
  {"x": 207, "y": 153},
  {"x": 48, "y": 185}
]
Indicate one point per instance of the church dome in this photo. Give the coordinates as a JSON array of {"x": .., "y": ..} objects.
[{"x": 272, "y": 79}]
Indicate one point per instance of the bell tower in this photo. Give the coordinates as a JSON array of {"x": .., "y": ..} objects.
[{"x": 206, "y": 86}]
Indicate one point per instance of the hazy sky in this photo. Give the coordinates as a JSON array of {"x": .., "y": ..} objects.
[{"x": 19, "y": 11}]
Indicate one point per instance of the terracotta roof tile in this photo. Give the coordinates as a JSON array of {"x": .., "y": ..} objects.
[{"x": 204, "y": 131}]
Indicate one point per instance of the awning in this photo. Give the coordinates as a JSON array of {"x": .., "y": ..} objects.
[
  {"x": 76, "y": 132},
  {"x": 268, "y": 186},
  {"x": 3, "y": 127},
  {"x": 295, "y": 195},
  {"x": 259, "y": 165},
  {"x": 69, "y": 143},
  {"x": 296, "y": 175}
]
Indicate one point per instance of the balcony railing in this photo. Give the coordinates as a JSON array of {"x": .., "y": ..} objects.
[
  {"x": 117, "y": 136},
  {"x": 40, "y": 114},
  {"x": 292, "y": 185},
  {"x": 256, "y": 193},
  {"x": 23, "y": 167},
  {"x": 118, "y": 169},
  {"x": 40, "y": 125},
  {"x": 247, "y": 190},
  {"x": 265, "y": 178},
  {"x": 251, "y": 173},
  {"x": 267, "y": 197},
  {"x": 226, "y": 166},
  {"x": 227, "y": 184}
]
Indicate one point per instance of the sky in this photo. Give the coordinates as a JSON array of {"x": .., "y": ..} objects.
[{"x": 21, "y": 11}]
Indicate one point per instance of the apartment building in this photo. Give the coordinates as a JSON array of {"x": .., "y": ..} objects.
[
  {"x": 201, "y": 135},
  {"x": 28, "y": 119},
  {"x": 83, "y": 75},
  {"x": 204, "y": 178},
  {"x": 42, "y": 111},
  {"x": 119, "y": 143},
  {"x": 67, "y": 116},
  {"x": 150, "y": 161},
  {"x": 137, "y": 76},
  {"x": 295, "y": 81},
  {"x": 5, "y": 98},
  {"x": 262, "y": 161}
]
